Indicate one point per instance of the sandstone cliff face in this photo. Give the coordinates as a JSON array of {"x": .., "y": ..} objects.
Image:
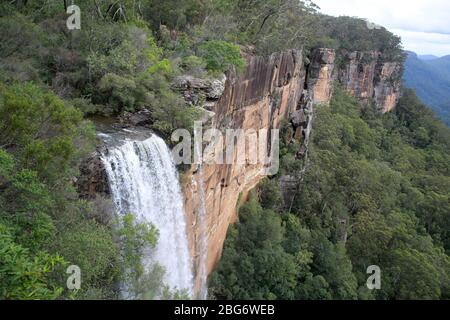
[
  {"x": 260, "y": 98},
  {"x": 366, "y": 76},
  {"x": 358, "y": 74},
  {"x": 387, "y": 86},
  {"x": 321, "y": 71}
]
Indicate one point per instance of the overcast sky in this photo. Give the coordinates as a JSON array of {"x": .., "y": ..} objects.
[{"x": 424, "y": 25}]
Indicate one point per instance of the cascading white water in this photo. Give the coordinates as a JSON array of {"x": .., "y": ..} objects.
[{"x": 144, "y": 182}]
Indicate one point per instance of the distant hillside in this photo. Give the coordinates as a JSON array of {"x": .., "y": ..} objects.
[
  {"x": 428, "y": 57},
  {"x": 431, "y": 80}
]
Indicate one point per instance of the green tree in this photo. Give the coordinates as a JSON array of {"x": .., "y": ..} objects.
[
  {"x": 23, "y": 275},
  {"x": 220, "y": 56},
  {"x": 254, "y": 263},
  {"x": 44, "y": 134}
]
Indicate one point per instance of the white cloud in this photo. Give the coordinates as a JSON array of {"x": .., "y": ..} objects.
[
  {"x": 423, "y": 25},
  {"x": 425, "y": 42}
]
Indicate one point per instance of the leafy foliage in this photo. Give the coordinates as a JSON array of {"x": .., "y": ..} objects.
[
  {"x": 220, "y": 56},
  {"x": 43, "y": 133},
  {"x": 24, "y": 276},
  {"x": 42, "y": 143}
]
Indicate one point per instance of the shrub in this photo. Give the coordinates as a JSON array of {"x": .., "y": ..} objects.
[
  {"x": 24, "y": 275},
  {"x": 220, "y": 56},
  {"x": 91, "y": 247},
  {"x": 46, "y": 135},
  {"x": 193, "y": 65}
]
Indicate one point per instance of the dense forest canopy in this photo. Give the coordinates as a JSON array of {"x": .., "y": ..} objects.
[{"x": 385, "y": 176}]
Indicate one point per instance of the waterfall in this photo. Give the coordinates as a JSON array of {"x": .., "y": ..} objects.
[{"x": 144, "y": 182}]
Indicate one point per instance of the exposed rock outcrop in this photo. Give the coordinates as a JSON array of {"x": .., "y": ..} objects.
[
  {"x": 265, "y": 94},
  {"x": 140, "y": 118},
  {"x": 363, "y": 74},
  {"x": 195, "y": 90},
  {"x": 358, "y": 74},
  {"x": 320, "y": 79},
  {"x": 367, "y": 76},
  {"x": 387, "y": 85},
  {"x": 93, "y": 180}
]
